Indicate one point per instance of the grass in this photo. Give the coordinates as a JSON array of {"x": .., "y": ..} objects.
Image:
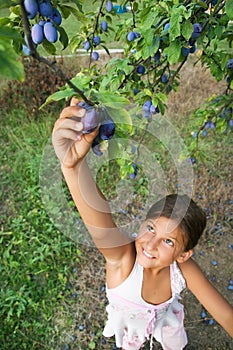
[{"x": 35, "y": 255}]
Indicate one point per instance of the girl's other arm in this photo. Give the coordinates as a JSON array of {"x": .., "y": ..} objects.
[{"x": 208, "y": 295}]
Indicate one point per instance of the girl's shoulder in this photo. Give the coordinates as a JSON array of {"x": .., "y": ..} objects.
[{"x": 191, "y": 272}]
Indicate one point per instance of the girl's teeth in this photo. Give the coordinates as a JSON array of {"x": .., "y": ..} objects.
[{"x": 147, "y": 254}]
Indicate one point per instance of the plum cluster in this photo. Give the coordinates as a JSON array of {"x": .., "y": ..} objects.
[
  {"x": 49, "y": 18},
  {"x": 93, "y": 118},
  {"x": 96, "y": 40},
  {"x": 149, "y": 109}
]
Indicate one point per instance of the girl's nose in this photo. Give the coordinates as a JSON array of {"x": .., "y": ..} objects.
[{"x": 152, "y": 243}]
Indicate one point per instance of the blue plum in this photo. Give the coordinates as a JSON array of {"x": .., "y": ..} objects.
[
  {"x": 107, "y": 129},
  {"x": 45, "y": 8},
  {"x": 109, "y": 6},
  {"x": 164, "y": 78},
  {"x": 31, "y": 7},
  {"x": 146, "y": 106},
  {"x": 104, "y": 26},
  {"x": 56, "y": 16},
  {"x": 229, "y": 64},
  {"x": 141, "y": 69},
  {"x": 197, "y": 29},
  {"x": 96, "y": 40},
  {"x": 95, "y": 56},
  {"x": 90, "y": 120},
  {"x": 37, "y": 33},
  {"x": 50, "y": 32},
  {"x": 185, "y": 51},
  {"x": 87, "y": 45}
]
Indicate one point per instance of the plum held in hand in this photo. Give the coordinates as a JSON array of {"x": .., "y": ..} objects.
[
  {"x": 90, "y": 121},
  {"x": 107, "y": 125}
]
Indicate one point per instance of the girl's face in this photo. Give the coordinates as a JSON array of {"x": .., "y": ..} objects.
[{"x": 159, "y": 243}]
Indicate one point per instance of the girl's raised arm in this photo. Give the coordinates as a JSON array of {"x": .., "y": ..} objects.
[{"x": 71, "y": 147}]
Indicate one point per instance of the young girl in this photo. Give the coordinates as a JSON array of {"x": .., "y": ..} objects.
[{"x": 144, "y": 277}]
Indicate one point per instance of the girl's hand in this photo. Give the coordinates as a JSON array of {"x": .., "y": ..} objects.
[{"x": 70, "y": 144}]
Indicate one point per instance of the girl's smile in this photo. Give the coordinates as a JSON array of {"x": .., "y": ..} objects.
[{"x": 147, "y": 254}]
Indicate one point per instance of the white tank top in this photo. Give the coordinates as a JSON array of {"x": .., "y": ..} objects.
[{"x": 133, "y": 321}]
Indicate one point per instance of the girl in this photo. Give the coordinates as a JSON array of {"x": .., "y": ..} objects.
[{"x": 144, "y": 277}]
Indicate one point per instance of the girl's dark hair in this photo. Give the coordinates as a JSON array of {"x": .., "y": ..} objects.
[{"x": 190, "y": 218}]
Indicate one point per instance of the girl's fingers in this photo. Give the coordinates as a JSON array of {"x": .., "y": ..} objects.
[
  {"x": 74, "y": 101},
  {"x": 72, "y": 111},
  {"x": 66, "y": 123},
  {"x": 90, "y": 137},
  {"x": 67, "y": 134}
]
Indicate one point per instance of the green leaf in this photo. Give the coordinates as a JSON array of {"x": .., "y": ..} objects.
[
  {"x": 111, "y": 99},
  {"x": 81, "y": 81},
  {"x": 9, "y": 33},
  {"x": 174, "y": 30},
  {"x": 92, "y": 345},
  {"x": 67, "y": 10},
  {"x": 122, "y": 118},
  {"x": 173, "y": 51},
  {"x": 187, "y": 29},
  {"x": 49, "y": 47},
  {"x": 229, "y": 9},
  {"x": 10, "y": 65},
  {"x": 149, "y": 50},
  {"x": 59, "y": 95},
  {"x": 63, "y": 36}
]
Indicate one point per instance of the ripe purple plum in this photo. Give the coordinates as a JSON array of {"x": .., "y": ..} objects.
[
  {"x": 50, "y": 32},
  {"x": 96, "y": 146},
  {"x": 157, "y": 56},
  {"x": 96, "y": 40},
  {"x": 90, "y": 120},
  {"x": 107, "y": 129},
  {"x": 95, "y": 56},
  {"x": 37, "y": 33},
  {"x": 185, "y": 51},
  {"x": 45, "y": 8},
  {"x": 132, "y": 36},
  {"x": 147, "y": 105},
  {"x": 56, "y": 16},
  {"x": 87, "y": 45},
  {"x": 164, "y": 78},
  {"x": 167, "y": 26},
  {"x": 141, "y": 69},
  {"x": 31, "y": 7},
  {"x": 229, "y": 64},
  {"x": 109, "y": 6},
  {"x": 104, "y": 26},
  {"x": 197, "y": 29}
]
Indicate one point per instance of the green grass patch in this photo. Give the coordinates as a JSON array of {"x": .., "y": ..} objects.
[{"x": 36, "y": 258}]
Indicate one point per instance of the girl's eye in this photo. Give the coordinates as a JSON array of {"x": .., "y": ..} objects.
[
  {"x": 150, "y": 228},
  {"x": 169, "y": 242}
]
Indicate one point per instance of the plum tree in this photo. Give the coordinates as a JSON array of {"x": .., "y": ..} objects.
[{"x": 157, "y": 42}]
